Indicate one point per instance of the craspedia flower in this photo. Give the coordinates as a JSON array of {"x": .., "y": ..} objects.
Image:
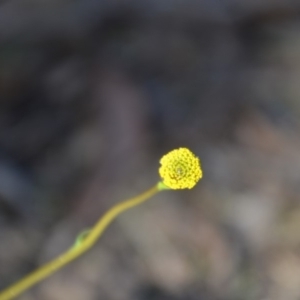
[{"x": 180, "y": 169}]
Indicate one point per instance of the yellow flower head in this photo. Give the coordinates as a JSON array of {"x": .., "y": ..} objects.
[{"x": 180, "y": 169}]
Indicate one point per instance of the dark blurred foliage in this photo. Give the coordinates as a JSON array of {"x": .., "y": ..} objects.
[{"x": 93, "y": 93}]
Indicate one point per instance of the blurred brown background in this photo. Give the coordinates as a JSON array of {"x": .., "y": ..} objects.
[{"x": 93, "y": 93}]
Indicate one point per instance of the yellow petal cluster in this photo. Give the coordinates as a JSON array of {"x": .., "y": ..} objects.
[{"x": 180, "y": 169}]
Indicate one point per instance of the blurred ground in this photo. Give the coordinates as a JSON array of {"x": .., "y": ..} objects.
[{"x": 93, "y": 93}]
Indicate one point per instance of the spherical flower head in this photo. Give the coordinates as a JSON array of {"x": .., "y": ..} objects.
[{"x": 180, "y": 169}]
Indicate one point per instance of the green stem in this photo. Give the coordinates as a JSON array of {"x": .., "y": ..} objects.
[{"x": 85, "y": 244}]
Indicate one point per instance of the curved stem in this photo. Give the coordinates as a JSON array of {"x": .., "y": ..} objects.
[{"x": 71, "y": 254}]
